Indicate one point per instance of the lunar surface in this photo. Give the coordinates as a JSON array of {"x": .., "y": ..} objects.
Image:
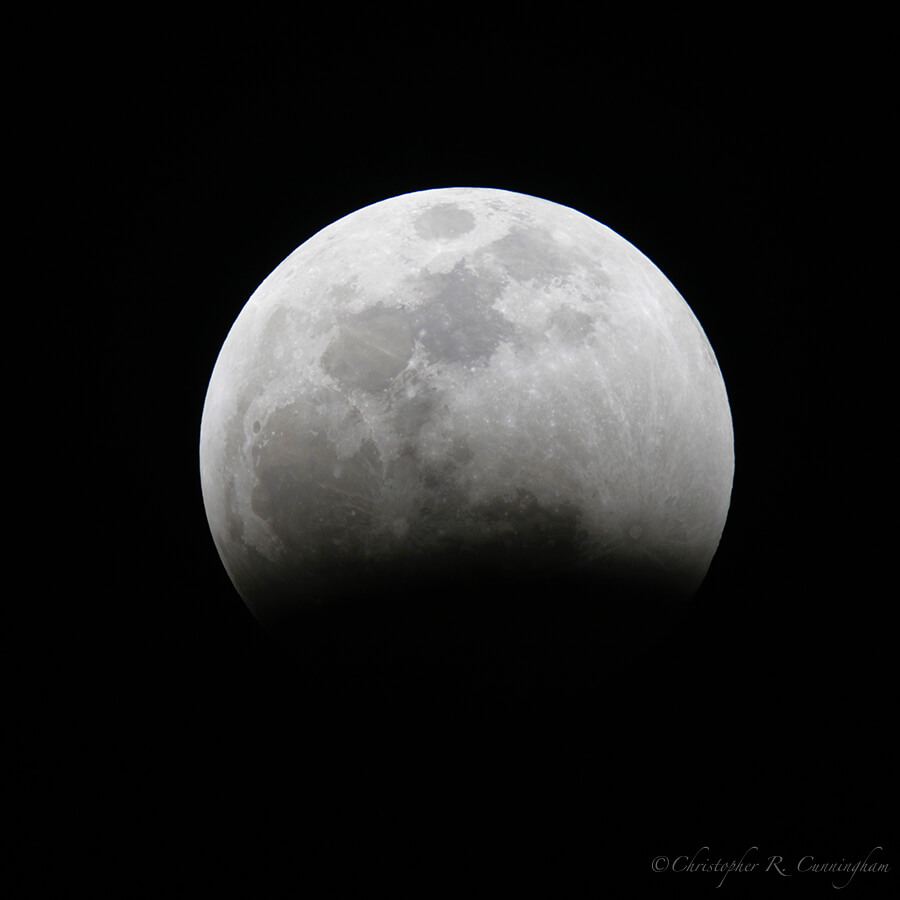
[{"x": 466, "y": 422}]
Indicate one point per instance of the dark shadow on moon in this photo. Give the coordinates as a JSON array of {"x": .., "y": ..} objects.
[
  {"x": 501, "y": 591},
  {"x": 498, "y": 616}
]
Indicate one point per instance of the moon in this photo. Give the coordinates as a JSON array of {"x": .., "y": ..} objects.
[{"x": 469, "y": 422}]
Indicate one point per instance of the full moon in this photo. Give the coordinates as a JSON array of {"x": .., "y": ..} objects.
[{"x": 466, "y": 423}]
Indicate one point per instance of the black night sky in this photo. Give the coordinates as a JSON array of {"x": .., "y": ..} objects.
[{"x": 196, "y": 755}]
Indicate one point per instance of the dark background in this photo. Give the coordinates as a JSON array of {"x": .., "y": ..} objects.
[{"x": 184, "y": 752}]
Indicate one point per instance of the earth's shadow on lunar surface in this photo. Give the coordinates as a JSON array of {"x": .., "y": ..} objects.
[{"x": 506, "y": 619}]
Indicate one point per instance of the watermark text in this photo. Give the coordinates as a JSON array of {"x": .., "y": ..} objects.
[{"x": 755, "y": 862}]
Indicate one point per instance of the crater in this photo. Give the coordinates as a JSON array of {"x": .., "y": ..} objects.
[{"x": 445, "y": 221}]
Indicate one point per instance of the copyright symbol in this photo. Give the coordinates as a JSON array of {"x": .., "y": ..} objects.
[{"x": 660, "y": 864}]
